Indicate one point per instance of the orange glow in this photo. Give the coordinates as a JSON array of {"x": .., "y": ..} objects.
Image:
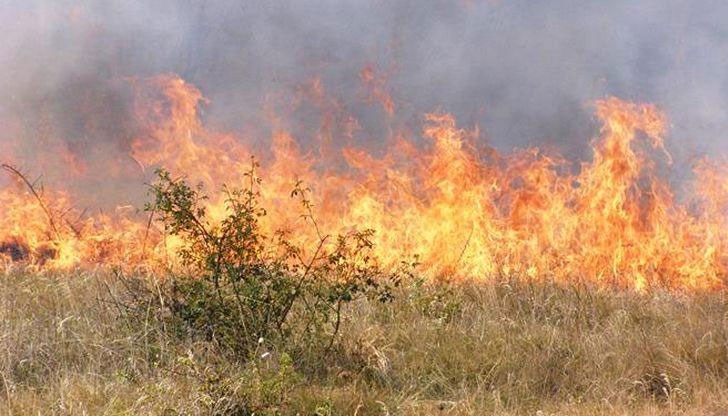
[{"x": 464, "y": 210}]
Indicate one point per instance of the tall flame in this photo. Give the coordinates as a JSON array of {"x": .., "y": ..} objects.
[{"x": 465, "y": 210}]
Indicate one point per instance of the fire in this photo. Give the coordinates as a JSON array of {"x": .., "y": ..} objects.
[{"x": 465, "y": 210}]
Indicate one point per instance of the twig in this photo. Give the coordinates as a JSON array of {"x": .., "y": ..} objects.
[
  {"x": 78, "y": 219},
  {"x": 146, "y": 232},
  {"x": 336, "y": 328},
  {"x": 465, "y": 247},
  {"x": 62, "y": 216},
  {"x": 37, "y": 196},
  {"x": 296, "y": 294}
]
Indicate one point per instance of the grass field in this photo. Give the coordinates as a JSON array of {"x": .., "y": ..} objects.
[{"x": 70, "y": 347}]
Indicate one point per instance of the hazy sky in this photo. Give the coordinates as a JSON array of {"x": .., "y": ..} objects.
[{"x": 524, "y": 70}]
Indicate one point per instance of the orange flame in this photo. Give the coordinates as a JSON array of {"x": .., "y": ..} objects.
[{"x": 464, "y": 210}]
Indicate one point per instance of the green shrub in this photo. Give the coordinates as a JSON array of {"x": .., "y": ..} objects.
[{"x": 243, "y": 286}]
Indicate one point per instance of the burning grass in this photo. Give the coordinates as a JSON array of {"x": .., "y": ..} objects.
[
  {"x": 466, "y": 209},
  {"x": 71, "y": 347}
]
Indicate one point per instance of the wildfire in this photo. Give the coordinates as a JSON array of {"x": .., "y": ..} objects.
[{"x": 463, "y": 209}]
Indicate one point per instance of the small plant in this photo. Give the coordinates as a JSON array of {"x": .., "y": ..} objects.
[
  {"x": 257, "y": 388},
  {"x": 244, "y": 285},
  {"x": 437, "y": 301}
]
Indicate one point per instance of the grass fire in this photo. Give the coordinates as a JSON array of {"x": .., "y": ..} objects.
[{"x": 319, "y": 236}]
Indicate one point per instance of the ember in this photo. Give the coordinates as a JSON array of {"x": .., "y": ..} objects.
[{"x": 14, "y": 249}]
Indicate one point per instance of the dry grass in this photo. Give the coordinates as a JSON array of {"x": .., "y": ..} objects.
[{"x": 69, "y": 348}]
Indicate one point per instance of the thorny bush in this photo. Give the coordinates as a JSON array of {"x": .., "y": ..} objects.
[{"x": 243, "y": 286}]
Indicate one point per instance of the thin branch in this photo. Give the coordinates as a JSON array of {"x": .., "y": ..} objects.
[
  {"x": 37, "y": 196},
  {"x": 296, "y": 292},
  {"x": 467, "y": 243},
  {"x": 146, "y": 231}
]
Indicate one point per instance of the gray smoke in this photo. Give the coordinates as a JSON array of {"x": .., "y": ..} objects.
[{"x": 522, "y": 70}]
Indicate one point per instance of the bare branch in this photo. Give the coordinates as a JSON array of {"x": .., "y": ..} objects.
[{"x": 32, "y": 187}]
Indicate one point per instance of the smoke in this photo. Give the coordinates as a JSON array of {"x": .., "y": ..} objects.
[{"x": 524, "y": 71}]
